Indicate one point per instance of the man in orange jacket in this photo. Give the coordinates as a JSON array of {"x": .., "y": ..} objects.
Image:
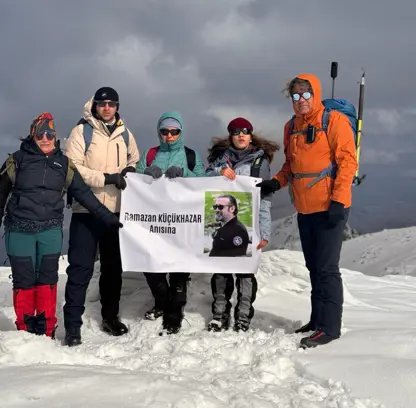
[{"x": 319, "y": 169}]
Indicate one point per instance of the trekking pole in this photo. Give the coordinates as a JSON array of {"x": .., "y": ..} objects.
[
  {"x": 357, "y": 179},
  {"x": 334, "y": 73}
]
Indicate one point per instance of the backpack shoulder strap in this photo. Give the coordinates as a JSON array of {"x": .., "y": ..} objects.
[
  {"x": 255, "y": 166},
  {"x": 10, "y": 168},
  {"x": 151, "y": 154},
  {"x": 86, "y": 133},
  {"x": 190, "y": 158},
  {"x": 69, "y": 176},
  {"x": 126, "y": 137}
]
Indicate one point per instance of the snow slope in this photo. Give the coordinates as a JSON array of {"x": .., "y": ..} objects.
[
  {"x": 285, "y": 234},
  {"x": 388, "y": 252},
  {"x": 372, "y": 364}
]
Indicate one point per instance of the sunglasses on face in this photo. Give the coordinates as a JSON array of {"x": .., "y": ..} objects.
[
  {"x": 111, "y": 104},
  {"x": 50, "y": 135},
  {"x": 305, "y": 95},
  {"x": 219, "y": 206},
  {"x": 173, "y": 132},
  {"x": 235, "y": 132}
]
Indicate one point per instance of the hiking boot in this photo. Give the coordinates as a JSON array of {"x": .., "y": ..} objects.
[
  {"x": 306, "y": 328},
  {"x": 153, "y": 314},
  {"x": 215, "y": 326},
  {"x": 317, "y": 338},
  {"x": 72, "y": 337},
  {"x": 241, "y": 326},
  {"x": 114, "y": 327}
]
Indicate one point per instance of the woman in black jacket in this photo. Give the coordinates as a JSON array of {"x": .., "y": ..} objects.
[{"x": 36, "y": 178}]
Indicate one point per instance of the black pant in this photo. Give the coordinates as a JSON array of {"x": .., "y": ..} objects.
[
  {"x": 321, "y": 245},
  {"x": 170, "y": 297},
  {"x": 85, "y": 233}
]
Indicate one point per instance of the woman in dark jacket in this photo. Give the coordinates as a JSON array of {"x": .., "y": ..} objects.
[
  {"x": 36, "y": 178},
  {"x": 243, "y": 153}
]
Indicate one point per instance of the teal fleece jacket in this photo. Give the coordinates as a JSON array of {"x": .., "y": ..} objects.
[{"x": 172, "y": 154}]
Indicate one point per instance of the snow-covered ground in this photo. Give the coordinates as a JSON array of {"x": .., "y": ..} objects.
[{"x": 371, "y": 365}]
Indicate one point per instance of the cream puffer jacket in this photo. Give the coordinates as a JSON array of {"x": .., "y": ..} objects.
[{"x": 106, "y": 154}]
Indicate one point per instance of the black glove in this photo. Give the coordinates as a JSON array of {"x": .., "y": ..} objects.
[
  {"x": 113, "y": 223},
  {"x": 129, "y": 169},
  {"x": 336, "y": 212},
  {"x": 269, "y": 186},
  {"x": 153, "y": 171},
  {"x": 173, "y": 172},
  {"x": 117, "y": 179}
]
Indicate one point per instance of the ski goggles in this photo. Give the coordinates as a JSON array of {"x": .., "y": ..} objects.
[
  {"x": 50, "y": 135},
  {"x": 219, "y": 206},
  {"x": 305, "y": 95},
  {"x": 235, "y": 132},
  {"x": 173, "y": 132},
  {"x": 111, "y": 104}
]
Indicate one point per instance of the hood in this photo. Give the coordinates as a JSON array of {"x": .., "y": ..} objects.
[
  {"x": 28, "y": 145},
  {"x": 317, "y": 94},
  {"x": 178, "y": 143}
]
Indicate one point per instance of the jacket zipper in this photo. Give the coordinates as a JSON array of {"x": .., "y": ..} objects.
[{"x": 118, "y": 156}]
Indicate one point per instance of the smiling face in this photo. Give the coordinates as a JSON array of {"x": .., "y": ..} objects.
[
  {"x": 45, "y": 141},
  {"x": 224, "y": 210}
]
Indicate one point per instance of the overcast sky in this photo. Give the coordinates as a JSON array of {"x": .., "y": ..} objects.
[{"x": 216, "y": 59}]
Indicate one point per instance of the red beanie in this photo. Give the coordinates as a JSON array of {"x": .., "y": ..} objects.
[{"x": 240, "y": 123}]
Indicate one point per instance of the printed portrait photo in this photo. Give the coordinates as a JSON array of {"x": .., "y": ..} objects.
[{"x": 228, "y": 226}]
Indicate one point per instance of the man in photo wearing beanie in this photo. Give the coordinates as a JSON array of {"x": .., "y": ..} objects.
[{"x": 103, "y": 163}]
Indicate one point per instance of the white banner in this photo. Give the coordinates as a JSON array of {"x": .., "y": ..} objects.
[{"x": 197, "y": 225}]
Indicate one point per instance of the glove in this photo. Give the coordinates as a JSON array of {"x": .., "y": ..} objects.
[
  {"x": 129, "y": 169},
  {"x": 153, "y": 171},
  {"x": 114, "y": 223},
  {"x": 229, "y": 173},
  {"x": 262, "y": 244},
  {"x": 173, "y": 172},
  {"x": 269, "y": 186},
  {"x": 336, "y": 212},
  {"x": 117, "y": 179}
]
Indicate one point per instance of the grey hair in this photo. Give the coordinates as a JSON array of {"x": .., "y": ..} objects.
[{"x": 288, "y": 89}]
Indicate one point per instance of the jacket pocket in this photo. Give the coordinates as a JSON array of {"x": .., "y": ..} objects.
[{"x": 118, "y": 155}]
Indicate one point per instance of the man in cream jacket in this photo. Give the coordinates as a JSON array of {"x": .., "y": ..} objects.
[{"x": 103, "y": 150}]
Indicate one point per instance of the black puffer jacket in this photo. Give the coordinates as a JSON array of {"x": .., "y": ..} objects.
[{"x": 36, "y": 202}]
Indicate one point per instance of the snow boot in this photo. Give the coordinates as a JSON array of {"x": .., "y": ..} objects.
[
  {"x": 317, "y": 338},
  {"x": 114, "y": 327},
  {"x": 72, "y": 336},
  {"x": 241, "y": 326},
  {"x": 153, "y": 314},
  {"x": 222, "y": 323},
  {"x": 306, "y": 328},
  {"x": 24, "y": 307},
  {"x": 45, "y": 304}
]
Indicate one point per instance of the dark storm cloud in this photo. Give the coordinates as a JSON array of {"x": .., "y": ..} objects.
[{"x": 210, "y": 60}]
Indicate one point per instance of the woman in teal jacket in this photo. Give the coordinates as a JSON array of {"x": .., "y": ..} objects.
[{"x": 173, "y": 159}]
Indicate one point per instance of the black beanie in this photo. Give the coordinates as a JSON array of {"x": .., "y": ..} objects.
[{"x": 106, "y": 94}]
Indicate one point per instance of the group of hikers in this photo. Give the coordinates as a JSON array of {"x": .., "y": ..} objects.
[{"x": 101, "y": 150}]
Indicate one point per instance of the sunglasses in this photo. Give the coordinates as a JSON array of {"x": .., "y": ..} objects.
[
  {"x": 235, "y": 132},
  {"x": 220, "y": 206},
  {"x": 173, "y": 132},
  {"x": 50, "y": 135},
  {"x": 111, "y": 104},
  {"x": 305, "y": 95}
]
